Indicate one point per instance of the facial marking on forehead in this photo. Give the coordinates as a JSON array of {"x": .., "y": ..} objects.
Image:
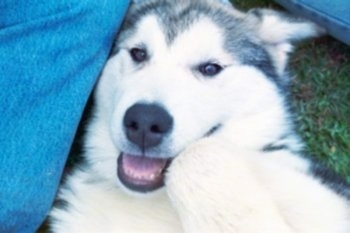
[
  {"x": 150, "y": 31},
  {"x": 202, "y": 41},
  {"x": 198, "y": 32}
]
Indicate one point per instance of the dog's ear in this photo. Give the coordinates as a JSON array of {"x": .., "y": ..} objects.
[
  {"x": 276, "y": 27},
  {"x": 277, "y": 31}
]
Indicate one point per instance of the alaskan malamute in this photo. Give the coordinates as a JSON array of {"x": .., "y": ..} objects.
[{"x": 192, "y": 131}]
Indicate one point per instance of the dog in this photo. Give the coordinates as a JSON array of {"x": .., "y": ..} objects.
[{"x": 192, "y": 130}]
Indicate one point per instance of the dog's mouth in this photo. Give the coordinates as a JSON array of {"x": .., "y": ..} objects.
[{"x": 141, "y": 173}]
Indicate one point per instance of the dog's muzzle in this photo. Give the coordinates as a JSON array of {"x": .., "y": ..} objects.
[{"x": 145, "y": 126}]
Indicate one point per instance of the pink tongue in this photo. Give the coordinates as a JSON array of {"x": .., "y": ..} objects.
[{"x": 142, "y": 167}]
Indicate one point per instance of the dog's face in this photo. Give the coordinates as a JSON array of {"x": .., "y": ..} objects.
[{"x": 181, "y": 71}]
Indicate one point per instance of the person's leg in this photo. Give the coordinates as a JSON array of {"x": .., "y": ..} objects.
[{"x": 51, "y": 53}]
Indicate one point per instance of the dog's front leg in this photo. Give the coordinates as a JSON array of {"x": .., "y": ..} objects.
[{"x": 215, "y": 190}]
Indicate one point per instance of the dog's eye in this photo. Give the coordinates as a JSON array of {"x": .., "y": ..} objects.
[
  {"x": 209, "y": 69},
  {"x": 138, "y": 54}
]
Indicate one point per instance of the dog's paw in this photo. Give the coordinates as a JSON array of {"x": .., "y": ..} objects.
[
  {"x": 190, "y": 185},
  {"x": 197, "y": 167},
  {"x": 214, "y": 189}
]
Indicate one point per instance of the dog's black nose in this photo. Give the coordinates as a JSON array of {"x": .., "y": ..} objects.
[{"x": 147, "y": 124}]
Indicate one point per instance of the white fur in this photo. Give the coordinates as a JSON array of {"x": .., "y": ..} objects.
[
  {"x": 275, "y": 194},
  {"x": 224, "y": 183}
]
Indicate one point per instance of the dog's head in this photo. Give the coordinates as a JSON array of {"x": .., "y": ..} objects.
[{"x": 183, "y": 70}]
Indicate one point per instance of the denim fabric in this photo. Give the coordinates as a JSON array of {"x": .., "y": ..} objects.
[
  {"x": 51, "y": 53},
  {"x": 333, "y": 15}
]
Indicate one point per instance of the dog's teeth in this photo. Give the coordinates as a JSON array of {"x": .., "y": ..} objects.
[{"x": 135, "y": 175}]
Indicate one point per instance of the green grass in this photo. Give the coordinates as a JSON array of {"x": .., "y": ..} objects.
[{"x": 321, "y": 96}]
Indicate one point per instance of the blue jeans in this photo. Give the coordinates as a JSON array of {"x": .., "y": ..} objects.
[{"x": 51, "y": 53}]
